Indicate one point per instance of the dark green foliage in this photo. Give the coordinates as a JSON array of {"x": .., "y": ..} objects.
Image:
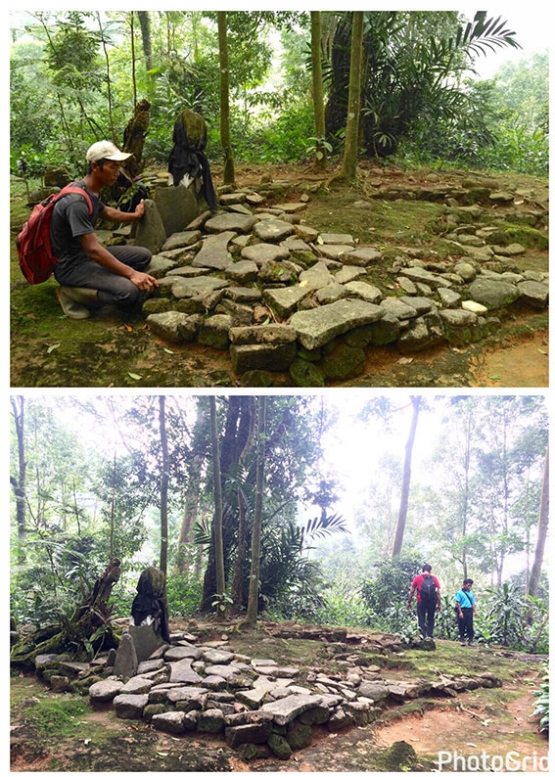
[
  {"x": 541, "y": 708},
  {"x": 412, "y": 64},
  {"x": 391, "y": 583},
  {"x": 183, "y": 594}
]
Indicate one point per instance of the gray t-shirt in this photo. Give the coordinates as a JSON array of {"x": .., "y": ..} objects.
[{"x": 70, "y": 220}]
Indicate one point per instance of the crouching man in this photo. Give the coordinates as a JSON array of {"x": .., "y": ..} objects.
[{"x": 90, "y": 275}]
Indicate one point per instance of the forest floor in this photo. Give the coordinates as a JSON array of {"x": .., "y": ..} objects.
[
  {"x": 61, "y": 732},
  {"x": 49, "y": 350}
]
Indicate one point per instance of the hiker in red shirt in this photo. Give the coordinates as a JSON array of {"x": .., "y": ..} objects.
[{"x": 428, "y": 599}]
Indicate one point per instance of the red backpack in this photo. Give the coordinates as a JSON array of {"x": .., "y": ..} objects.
[{"x": 33, "y": 243}]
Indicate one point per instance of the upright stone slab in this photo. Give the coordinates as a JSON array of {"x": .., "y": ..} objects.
[
  {"x": 151, "y": 232},
  {"x": 145, "y": 641},
  {"x": 126, "y": 657},
  {"x": 177, "y": 205}
]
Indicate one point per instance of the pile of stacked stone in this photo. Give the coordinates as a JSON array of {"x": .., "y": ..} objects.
[
  {"x": 259, "y": 707},
  {"x": 283, "y": 297}
]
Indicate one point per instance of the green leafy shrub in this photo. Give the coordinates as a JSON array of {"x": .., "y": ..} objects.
[
  {"x": 541, "y": 708},
  {"x": 183, "y": 594}
]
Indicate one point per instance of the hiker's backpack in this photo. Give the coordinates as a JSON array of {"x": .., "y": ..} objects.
[
  {"x": 428, "y": 590},
  {"x": 33, "y": 243}
]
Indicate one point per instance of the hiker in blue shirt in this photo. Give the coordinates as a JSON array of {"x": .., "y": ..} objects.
[{"x": 466, "y": 610}]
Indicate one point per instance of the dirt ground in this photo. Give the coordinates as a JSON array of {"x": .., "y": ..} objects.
[{"x": 48, "y": 350}]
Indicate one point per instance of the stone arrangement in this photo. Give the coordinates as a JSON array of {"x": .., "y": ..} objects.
[
  {"x": 282, "y": 297},
  {"x": 258, "y": 707}
]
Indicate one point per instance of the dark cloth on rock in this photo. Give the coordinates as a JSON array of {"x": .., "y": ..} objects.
[
  {"x": 187, "y": 156},
  {"x": 150, "y": 602}
]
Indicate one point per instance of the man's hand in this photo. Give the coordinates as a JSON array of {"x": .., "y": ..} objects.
[
  {"x": 140, "y": 210},
  {"x": 461, "y": 614},
  {"x": 143, "y": 281},
  {"x": 408, "y": 605}
]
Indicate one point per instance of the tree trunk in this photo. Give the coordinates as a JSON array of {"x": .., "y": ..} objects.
[
  {"x": 134, "y": 138},
  {"x": 403, "y": 508},
  {"x": 164, "y": 488},
  {"x": 240, "y": 555},
  {"x": 252, "y": 610},
  {"x": 217, "y": 526},
  {"x": 350, "y": 156},
  {"x": 543, "y": 523},
  {"x": 144, "y": 21},
  {"x": 229, "y": 166},
  {"x": 18, "y": 483},
  {"x": 318, "y": 88},
  {"x": 108, "y": 81},
  {"x": 85, "y": 633}
]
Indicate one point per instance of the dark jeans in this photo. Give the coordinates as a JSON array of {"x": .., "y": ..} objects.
[
  {"x": 466, "y": 624},
  {"x": 112, "y": 289},
  {"x": 426, "y": 615}
]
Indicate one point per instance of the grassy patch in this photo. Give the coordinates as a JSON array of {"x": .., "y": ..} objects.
[{"x": 51, "y": 716}]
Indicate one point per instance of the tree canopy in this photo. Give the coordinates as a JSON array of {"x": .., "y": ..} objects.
[
  {"x": 309, "y": 489},
  {"x": 76, "y": 77}
]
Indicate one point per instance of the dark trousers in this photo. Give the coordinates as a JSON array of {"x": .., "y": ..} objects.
[
  {"x": 426, "y": 615},
  {"x": 466, "y": 624},
  {"x": 112, "y": 289}
]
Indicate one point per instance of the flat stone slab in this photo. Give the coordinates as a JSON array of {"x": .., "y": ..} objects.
[
  {"x": 420, "y": 275},
  {"x": 284, "y": 301},
  {"x": 365, "y": 291},
  {"x": 105, "y": 690},
  {"x": 272, "y": 230},
  {"x": 173, "y": 326},
  {"x": 236, "y": 222},
  {"x": 259, "y": 253},
  {"x": 362, "y": 257},
  {"x": 218, "y": 656},
  {"x": 182, "y": 672},
  {"x": 138, "y": 685},
  {"x": 493, "y": 293},
  {"x": 197, "y": 287},
  {"x": 183, "y": 651},
  {"x": 317, "y": 277},
  {"x": 271, "y": 334},
  {"x": 317, "y": 327},
  {"x": 130, "y": 706},
  {"x": 182, "y": 239},
  {"x": 214, "y": 253},
  {"x": 337, "y": 239},
  {"x": 286, "y": 710}
]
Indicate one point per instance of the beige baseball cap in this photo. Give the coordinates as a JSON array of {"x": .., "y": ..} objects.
[{"x": 106, "y": 150}]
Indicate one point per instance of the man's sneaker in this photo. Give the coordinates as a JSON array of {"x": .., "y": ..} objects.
[
  {"x": 71, "y": 308},
  {"x": 470, "y": 643},
  {"x": 463, "y": 644}
]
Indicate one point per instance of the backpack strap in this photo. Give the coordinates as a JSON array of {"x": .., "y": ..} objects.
[{"x": 74, "y": 188}]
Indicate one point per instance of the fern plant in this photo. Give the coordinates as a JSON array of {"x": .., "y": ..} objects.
[{"x": 541, "y": 707}]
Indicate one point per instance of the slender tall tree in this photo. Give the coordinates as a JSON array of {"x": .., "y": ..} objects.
[
  {"x": 18, "y": 481},
  {"x": 225, "y": 132},
  {"x": 252, "y": 609},
  {"x": 318, "y": 87},
  {"x": 403, "y": 508},
  {"x": 164, "y": 481},
  {"x": 218, "y": 509},
  {"x": 349, "y": 167},
  {"x": 543, "y": 523}
]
